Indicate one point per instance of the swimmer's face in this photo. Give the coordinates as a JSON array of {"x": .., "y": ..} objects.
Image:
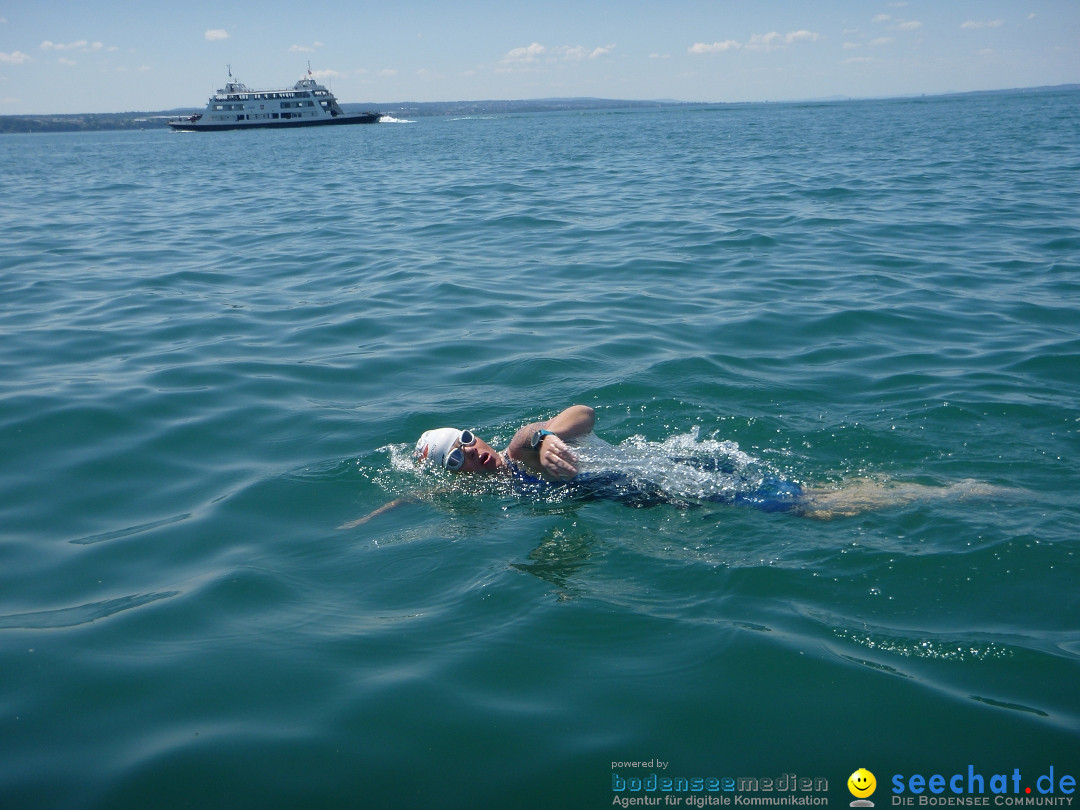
[{"x": 480, "y": 457}]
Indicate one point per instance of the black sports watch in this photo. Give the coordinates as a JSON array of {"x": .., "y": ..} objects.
[{"x": 538, "y": 439}]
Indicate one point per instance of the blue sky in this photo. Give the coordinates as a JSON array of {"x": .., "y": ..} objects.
[{"x": 110, "y": 55}]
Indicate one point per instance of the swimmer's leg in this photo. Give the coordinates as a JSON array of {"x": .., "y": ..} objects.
[{"x": 865, "y": 495}]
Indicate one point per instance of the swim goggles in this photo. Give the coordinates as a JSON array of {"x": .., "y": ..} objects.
[{"x": 455, "y": 459}]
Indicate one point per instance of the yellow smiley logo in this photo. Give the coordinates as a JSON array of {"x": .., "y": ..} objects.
[{"x": 861, "y": 783}]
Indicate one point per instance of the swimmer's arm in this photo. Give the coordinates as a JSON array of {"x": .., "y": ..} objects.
[
  {"x": 412, "y": 497},
  {"x": 573, "y": 423},
  {"x": 386, "y": 507},
  {"x": 555, "y": 459}
]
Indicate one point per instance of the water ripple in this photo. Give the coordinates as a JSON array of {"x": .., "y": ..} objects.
[
  {"x": 79, "y": 614},
  {"x": 209, "y": 366}
]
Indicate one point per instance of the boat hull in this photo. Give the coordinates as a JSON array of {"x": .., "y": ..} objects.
[{"x": 186, "y": 125}]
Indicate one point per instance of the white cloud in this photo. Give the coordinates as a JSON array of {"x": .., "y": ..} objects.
[
  {"x": 63, "y": 60},
  {"x": 850, "y": 46},
  {"x": 801, "y": 36},
  {"x": 579, "y": 53},
  {"x": 758, "y": 42},
  {"x": 716, "y": 47},
  {"x": 983, "y": 24},
  {"x": 79, "y": 45},
  {"x": 899, "y": 25},
  {"x": 14, "y": 58},
  {"x": 325, "y": 74},
  {"x": 530, "y": 53},
  {"x": 774, "y": 40},
  {"x": 215, "y": 34},
  {"x": 49, "y": 45},
  {"x": 874, "y": 43},
  {"x": 764, "y": 42},
  {"x": 856, "y": 60},
  {"x": 571, "y": 54},
  {"x": 659, "y": 55}
]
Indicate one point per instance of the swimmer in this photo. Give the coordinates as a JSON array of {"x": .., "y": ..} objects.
[
  {"x": 540, "y": 456},
  {"x": 540, "y": 447}
]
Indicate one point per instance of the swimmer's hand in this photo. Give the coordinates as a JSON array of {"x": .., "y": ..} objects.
[
  {"x": 557, "y": 459},
  {"x": 554, "y": 459}
]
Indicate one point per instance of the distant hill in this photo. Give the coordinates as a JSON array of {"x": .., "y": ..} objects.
[
  {"x": 88, "y": 122},
  {"x": 1049, "y": 88}
]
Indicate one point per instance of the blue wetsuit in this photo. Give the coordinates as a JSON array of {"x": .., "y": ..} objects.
[{"x": 772, "y": 495}]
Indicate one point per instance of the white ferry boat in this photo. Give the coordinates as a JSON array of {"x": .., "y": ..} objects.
[{"x": 236, "y": 106}]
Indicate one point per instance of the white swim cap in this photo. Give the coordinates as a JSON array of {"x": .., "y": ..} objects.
[{"x": 435, "y": 445}]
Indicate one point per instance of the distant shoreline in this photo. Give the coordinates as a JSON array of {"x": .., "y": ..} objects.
[{"x": 99, "y": 122}]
